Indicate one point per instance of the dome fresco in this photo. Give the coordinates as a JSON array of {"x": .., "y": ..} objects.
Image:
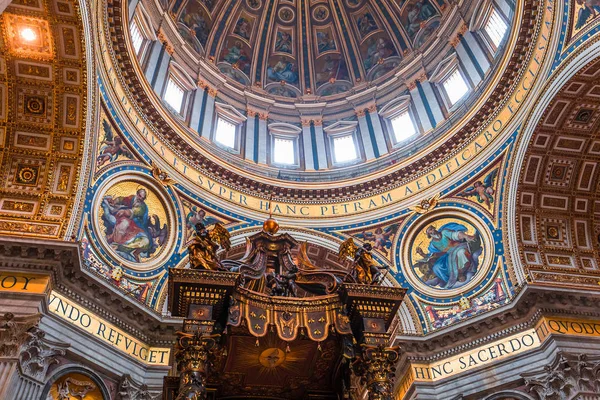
[
  {"x": 392, "y": 81},
  {"x": 291, "y": 48}
]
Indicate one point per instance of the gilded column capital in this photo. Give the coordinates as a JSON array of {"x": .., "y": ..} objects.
[
  {"x": 212, "y": 92},
  {"x": 251, "y": 113},
  {"x": 376, "y": 367},
  {"x": 263, "y": 116},
  {"x": 455, "y": 41},
  {"x": 359, "y": 113}
]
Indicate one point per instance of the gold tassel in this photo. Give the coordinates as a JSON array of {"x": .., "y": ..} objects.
[
  {"x": 287, "y": 348},
  {"x": 319, "y": 347},
  {"x": 257, "y": 343}
]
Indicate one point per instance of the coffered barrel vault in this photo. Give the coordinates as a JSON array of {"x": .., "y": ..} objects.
[{"x": 44, "y": 108}]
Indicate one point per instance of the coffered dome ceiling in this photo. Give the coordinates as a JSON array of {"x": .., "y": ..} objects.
[{"x": 296, "y": 47}]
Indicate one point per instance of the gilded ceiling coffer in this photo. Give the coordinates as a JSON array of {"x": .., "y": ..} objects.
[{"x": 273, "y": 324}]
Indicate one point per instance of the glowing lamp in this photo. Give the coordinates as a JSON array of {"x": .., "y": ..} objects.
[{"x": 28, "y": 34}]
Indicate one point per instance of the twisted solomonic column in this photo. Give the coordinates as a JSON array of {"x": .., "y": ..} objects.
[{"x": 193, "y": 354}]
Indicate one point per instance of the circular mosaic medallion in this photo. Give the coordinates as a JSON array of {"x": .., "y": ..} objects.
[
  {"x": 286, "y": 14},
  {"x": 320, "y": 13},
  {"x": 133, "y": 223},
  {"x": 447, "y": 252}
]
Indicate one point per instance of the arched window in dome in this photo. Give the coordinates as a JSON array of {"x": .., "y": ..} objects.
[
  {"x": 284, "y": 145},
  {"x": 343, "y": 143},
  {"x": 141, "y": 34},
  {"x": 495, "y": 28},
  {"x": 177, "y": 89},
  {"x": 490, "y": 20},
  {"x": 451, "y": 81},
  {"x": 344, "y": 149},
  {"x": 227, "y": 127},
  {"x": 455, "y": 86},
  {"x": 136, "y": 36},
  {"x": 174, "y": 94},
  {"x": 400, "y": 119}
]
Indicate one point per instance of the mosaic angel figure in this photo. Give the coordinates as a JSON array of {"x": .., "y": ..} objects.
[
  {"x": 483, "y": 191},
  {"x": 381, "y": 237},
  {"x": 111, "y": 147}
]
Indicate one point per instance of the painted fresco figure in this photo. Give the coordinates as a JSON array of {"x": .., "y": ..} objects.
[
  {"x": 283, "y": 71},
  {"x": 366, "y": 24},
  {"x": 378, "y": 49},
  {"x": 128, "y": 225},
  {"x": 417, "y": 14},
  {"x": 112, "y": 146},
  {"x": 242, "y": 28},
  {"x": 283, "y": 42},
  {"x": 197, "y": 23},
  {"x": 483, "y": 191},
  {"x": 237, "y": 55},
  {"x": 452, "y": 258}
]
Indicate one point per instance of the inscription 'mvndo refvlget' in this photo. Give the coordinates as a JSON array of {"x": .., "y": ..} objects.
[{"x": 106, "y": 332}]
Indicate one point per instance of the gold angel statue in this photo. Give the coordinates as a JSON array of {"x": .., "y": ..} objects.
[
  {"x": 203, "y": 249},
  {"x": 365, "y": 269}
]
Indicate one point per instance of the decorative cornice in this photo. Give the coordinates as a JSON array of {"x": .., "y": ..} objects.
[
  {"x": 62, "y": 262},
  {"x": 523, "y": 312}
]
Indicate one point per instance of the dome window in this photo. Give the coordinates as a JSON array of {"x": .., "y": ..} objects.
[
  {"x": 344, "y": 149},
  {"x": 174, "y": 94},
  {"x": 225, "y": 133},
  {"x": 400, "y": 122},
  {"x": 284, "y": 151},
  {"x": 284, "y": 144},
  {"x": 455, "y": 86},
  {"x": 140, "y": 33},
  {"x": 495, "y": 28},
  {"x": 227, "y": 127},
  {"x": 403, "y": 126},
  {"x": 136, "y": 37},
  {"x": 343, "y": 143},
  {"x": 450, "y": 81}
]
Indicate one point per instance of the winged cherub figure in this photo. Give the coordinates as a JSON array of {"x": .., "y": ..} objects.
[
  {"x": 203, "y": 249},
  {"x": 365, "y": 269},
  {"x": 484, "y": 191},
  {"x": 111, "y": 147}
]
